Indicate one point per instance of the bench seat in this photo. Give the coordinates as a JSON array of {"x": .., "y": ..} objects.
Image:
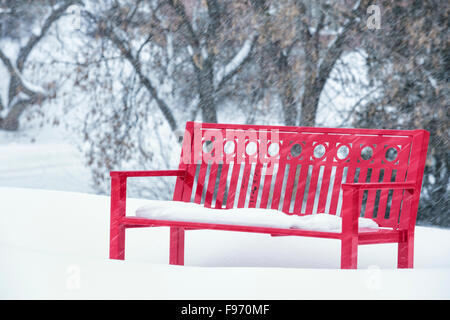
[{"x": 250, "y": 217}]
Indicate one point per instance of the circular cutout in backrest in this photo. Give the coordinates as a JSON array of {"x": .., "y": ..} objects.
[
  {"x": 296, "y": 150},
  {"x": 342, "y": 152},
  {"x": 391, "y": 154},
  {"x": 367, "y": 153},
  {"x": 207, "y": 146},
  {"x": 229, "y": 147},
  {"x": 319, "y": 151},
  {"x": 251, "y": 148},
  {"x": 273, "y": 149}
]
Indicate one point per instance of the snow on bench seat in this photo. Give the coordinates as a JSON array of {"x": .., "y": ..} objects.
[{"x": 193, "y": 212}]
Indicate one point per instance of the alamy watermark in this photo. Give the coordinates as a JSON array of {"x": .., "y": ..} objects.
[
  {"x": 373, "y": 278},
  {"x": 73, "y": 277},
  {"x": 224, "y": 146},
  {"x": 373, "y": 22}
]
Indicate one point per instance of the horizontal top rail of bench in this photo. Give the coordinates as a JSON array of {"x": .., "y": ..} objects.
[{"x": 372, "y": 132}]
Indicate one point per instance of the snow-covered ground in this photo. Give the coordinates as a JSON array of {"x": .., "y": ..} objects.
[
  {"x": 45, "y": 158},
  {"x": 55, "y": 245}
]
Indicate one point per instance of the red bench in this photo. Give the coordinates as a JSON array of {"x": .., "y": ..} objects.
[{"x": 353, "y": 173}]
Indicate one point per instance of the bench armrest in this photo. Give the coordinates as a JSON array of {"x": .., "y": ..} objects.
[
  {"x": 119, "y": 188},
  {"x": 351, "y": 200},
  {"x": 380, "y": 185},
  {"x": 148, "y": 173}
]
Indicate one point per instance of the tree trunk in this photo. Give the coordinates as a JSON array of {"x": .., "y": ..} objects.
[
  {"x": 310, "y": 104},
  {"x": 205, "y": 82},
  {"x": 288, "y": 99},
  {"x": 11, "y": 121}
]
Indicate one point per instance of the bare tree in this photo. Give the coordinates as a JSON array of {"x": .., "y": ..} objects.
[
  {"x": 303, "y": 41},
  {"x": 21, "y": 93},
  {"x": 177, "y": 56},
  {"x": 198, "y": 43}
]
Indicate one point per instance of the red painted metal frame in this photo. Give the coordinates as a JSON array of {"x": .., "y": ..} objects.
[{"x": 397, "y": 228}]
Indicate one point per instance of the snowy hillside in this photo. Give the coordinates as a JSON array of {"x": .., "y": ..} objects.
[
  {"x": 45, "y": 158},
  {"x": 55, "y": 245}
]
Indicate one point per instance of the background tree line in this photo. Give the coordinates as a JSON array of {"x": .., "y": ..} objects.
[{"x": 134, "y": 72}]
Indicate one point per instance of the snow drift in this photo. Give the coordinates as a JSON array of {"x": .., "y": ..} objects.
[
  {"x": 193, "y": 212},
  {"x": 54, "y": 245}
]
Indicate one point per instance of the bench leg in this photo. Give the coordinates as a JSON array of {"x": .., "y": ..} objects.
[
  {"x": 117, "y": 242},
  {"x": 118, "y": 207},
  {"x": 176, "y": 256},
  {"x": 406, "y": 252},
  {"x": 349, "y": 253}
]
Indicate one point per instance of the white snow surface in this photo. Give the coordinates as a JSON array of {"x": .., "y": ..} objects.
[
  {"x": 51, "y": 162},
  {"x": 193, "y": 212},
  {"x": 54, "y": 245}
]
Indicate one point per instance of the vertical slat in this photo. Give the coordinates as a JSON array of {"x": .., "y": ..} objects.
[
  {"x": 183, "y": 186},
  {"x": 266, "y": 187},
  {"x": 326, "y": 175},
  {"x": 371, "y": 194},
  {"x": 211, "y": 184},
  {"x": 312, "y": 189},
  {"x": 351, "y": 173},
  {"x": 255, "y": 185},
  {"x": 362, "y": 175},
  {"x": 200, "y": 182},
  {"x": 233, "y": 185},
  {"x": 349, "y": 177},
  {"x": 289, "y": 187},
  {"x": 244, "y": 185},
  {"x": 362, "y": 178},
  {"x": 323, "y": 195},
  {"x": 336, "y": 189},
  {"x": 188, "y": 183},
  {"x": 301, "y": 188},
  {"x": 383, "y": 196},
  {"x": 278, "y": 186},
  {"x": 222, "y": 185},
  {"x": 397, "y": 196},
  {"x": 351, "y": 169}
]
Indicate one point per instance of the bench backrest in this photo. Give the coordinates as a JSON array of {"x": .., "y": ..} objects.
[{"x": 299, "y": 170}]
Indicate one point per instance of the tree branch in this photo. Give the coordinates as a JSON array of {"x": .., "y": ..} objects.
[
  {"x": 145, "y": 81},
  {"x": 15, "y": 74},
  {"x": 214, "y": 13},
  {"x": 236, "y": 63},
  {"x": 108, "y": 32},
  {"x": 34, "y": 39},
  {"x": 336, "y": 48},
  {"x": 316, "y": 36},
  {"x": 179, "y": 8}
]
